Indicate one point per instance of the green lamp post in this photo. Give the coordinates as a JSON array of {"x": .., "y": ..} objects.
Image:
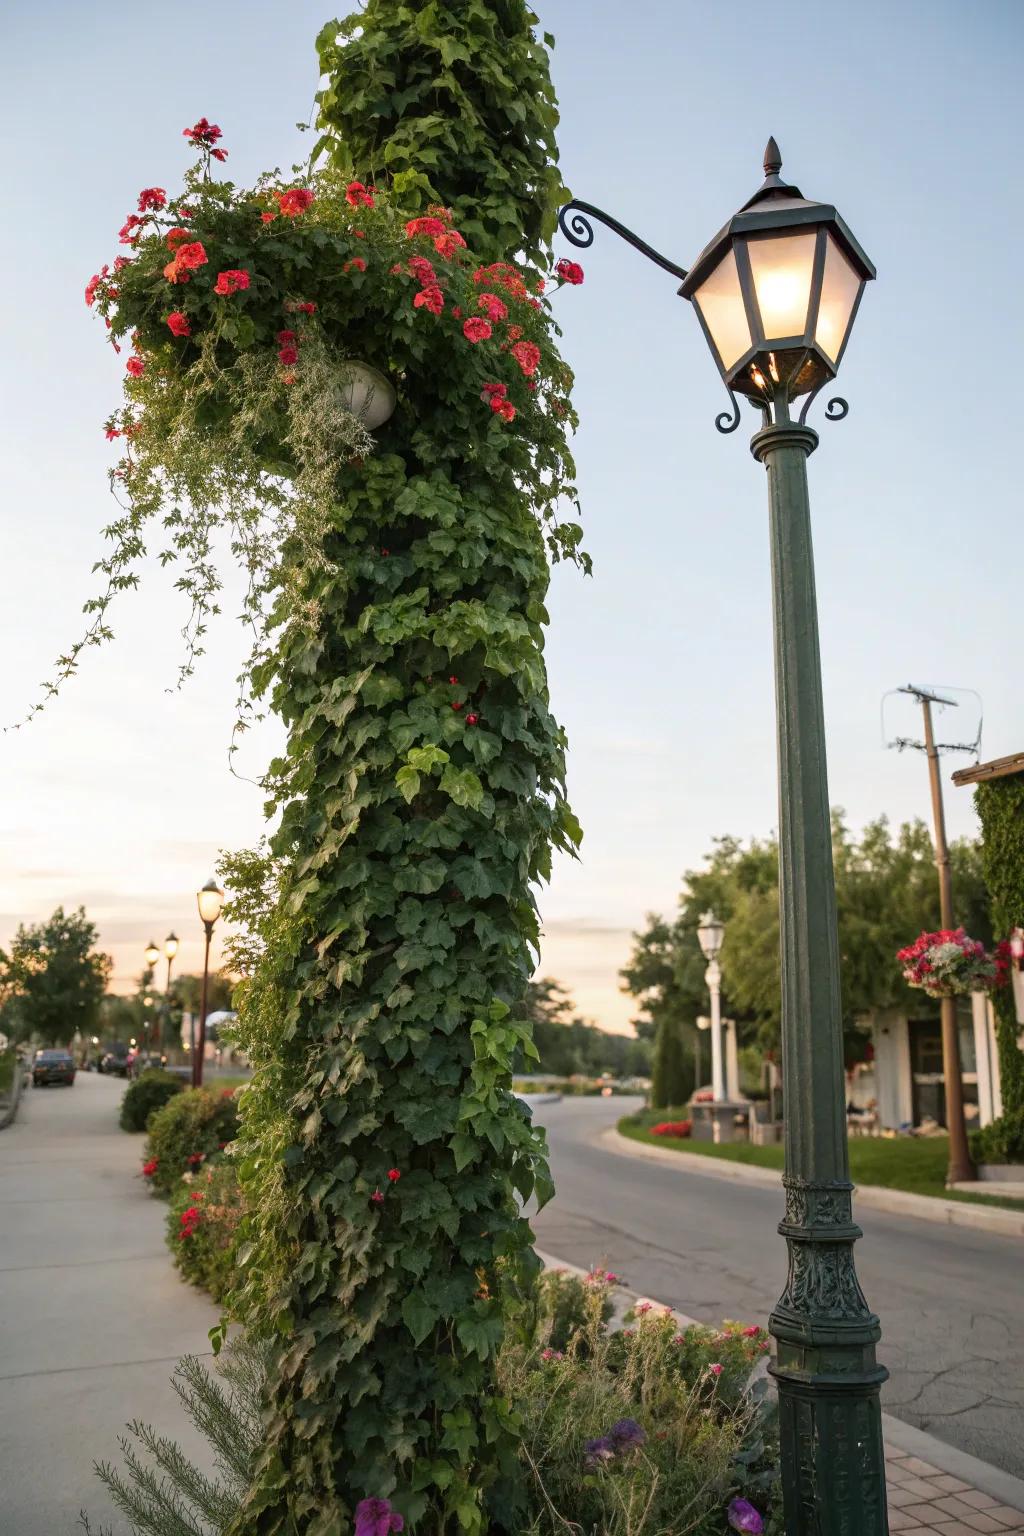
[{"x": 776, "y": 292}]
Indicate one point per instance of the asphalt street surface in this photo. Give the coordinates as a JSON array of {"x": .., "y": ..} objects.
[
  {"x": 950, "y": 1300},
  {"x": 93, "y": 1317}
]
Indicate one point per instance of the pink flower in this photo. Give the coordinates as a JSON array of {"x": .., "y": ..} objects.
[
  {"x": 375, "y": 1517},
  {"x": 476, "y": 329},
  {"x": 377, "y": 1198},
  {"x": 232, "y": 281},
  {"x": 715, "y": 1369},
  {"x": 750, "y": 1333}
]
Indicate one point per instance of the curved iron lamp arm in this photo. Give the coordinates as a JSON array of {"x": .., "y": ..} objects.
[{"x": 578, "y": 231}]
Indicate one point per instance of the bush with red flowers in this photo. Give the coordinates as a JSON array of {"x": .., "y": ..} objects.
[
  {"x": 204, "y": 1222},
  {"x": 677, "y": 1128},
  {"x": 192, "y": 1126}
]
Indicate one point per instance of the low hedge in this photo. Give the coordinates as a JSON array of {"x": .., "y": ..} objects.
[
  {"x": 148, "y": 1093},
  {"x": 187, "y": 1130},
  {"x": 1000, "y": 1142}
]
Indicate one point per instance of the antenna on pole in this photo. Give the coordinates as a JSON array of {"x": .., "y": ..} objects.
[{"x": 941, "y": 698}]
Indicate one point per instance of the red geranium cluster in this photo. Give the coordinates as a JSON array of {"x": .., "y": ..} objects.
[
  {"x": 204, "y": 135},
  {"x": 358, "y": 196},
  {"x": 295, "y": 202},
  {"x": 93, "y": 283},
  {"x": 527, "y": 355},
  {"x": 187, "y": 259},
  {"x": 149, "y": 1169},
  {"x": 948, "y": 963},
  {"x": 178, "y": 323},
  {"x": 288, "y": 343},
  {"x": 194, "y": 1159},
  {"x": 569, "y": 272},
  {"x": 496, "y": 397},
  {"x": 190, "y": 1219},
  {"x": 679, "y": 1128},
  {"x": 231, "y": 281},
  {"x": 153, "y": 198},
  {"x": 476, "y": 329}
]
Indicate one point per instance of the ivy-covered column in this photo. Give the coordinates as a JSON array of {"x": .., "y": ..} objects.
[{"x": 1000, "y": 806}]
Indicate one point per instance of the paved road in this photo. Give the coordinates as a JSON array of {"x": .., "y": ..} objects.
[
  {"x": 951, "y": 1300},
  {"x": 92, "y": 1315}
]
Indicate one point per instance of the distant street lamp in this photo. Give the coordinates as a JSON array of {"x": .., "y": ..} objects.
[
  {"x": 710, "y": 934},
  {"x": 209, "y": 900},
  {"x": 776, "y": 293},
  {"x": 152, "y": 954}
]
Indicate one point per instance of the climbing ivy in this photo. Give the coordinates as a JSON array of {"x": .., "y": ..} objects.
[
  {"x": 1000, "y": 807},
  {"x": 397, "y": 587}
]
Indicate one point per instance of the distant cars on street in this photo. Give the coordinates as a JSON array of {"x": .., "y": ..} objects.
[
  {"x": 115, "y": 1064},
  {"x": 53, "y": 1067}
]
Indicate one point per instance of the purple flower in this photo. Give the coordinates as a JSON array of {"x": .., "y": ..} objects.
[
  {"x": 744, "y": 1517},
  {"x": 627, "y": 1434},
  {"x": 375, "y": 1517},
  {"x": 595, "y": 1452}
]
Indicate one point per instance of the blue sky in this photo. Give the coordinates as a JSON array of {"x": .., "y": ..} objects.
[{"x": 904, "y": 115}]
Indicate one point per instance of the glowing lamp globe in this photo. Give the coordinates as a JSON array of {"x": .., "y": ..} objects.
[
  {"x": 210, "y": 900},
  {"x": 367, "y": 394},
  {"x": 152, "y": 954},
  {"x": 777, "y": 289},
  {"x": 710, "y": 934}
]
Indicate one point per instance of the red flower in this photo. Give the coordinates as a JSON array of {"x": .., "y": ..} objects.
[
  {"x": 491, "y": 391},
  {"x": 458, "y": 704},
  {"x": 112, "y": 432},
  {"x": 126, "y": 234},
  {"x": 569, "y": 272},
  {"x": 424, "y": 226},
  {"x": 448, "y": 242},
  {"x": 507, "y": 410},
  {"x": 178, "y": 323},
  {"x": 527, "y": 355},
  {"x": 219, "y": 154},
  {"x": 190, "y": 257},
  {"x": 120, "y": 262},
  {"x": 283, "y": 336},
  {"x": 394, "y": 1174},
  {"x": 295, "y": 202},
  {"x": 429, "y": 298},
  {"x": 203, "y": 132},
  {"x": 476, "y": 330},
  {"x": 288, "y": 356},
  {"x": 422, "y": 270},
  {"x": 472, "y": 719},
  {"x": 152, "y": 197},
  {"x": 377, "y": 1198},
  {"x": 514, "y": 332},
  {"x": 307, "y": 309},
  {"x": 493, "y": 307},
  {"x": 357, "y": 262},
  {"x": 93, "y": 284},
  {"x": 268, "y": 218},
  {"x": 136, "y": 367},
  {"x": 231, "y": 281},
  {"x": 356, "y": 195},
  {"x": 176, "y": 237},
  {"x": 148, "y": 1169},
  {"x": 194, "y": 1159}
]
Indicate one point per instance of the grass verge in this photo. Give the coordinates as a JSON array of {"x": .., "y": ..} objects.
[{"x": 915, "y": 1164}]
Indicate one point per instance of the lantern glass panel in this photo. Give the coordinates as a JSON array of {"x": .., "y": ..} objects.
[
  {"x": 782, "y": 267},
  {"x": 720, "y": 302},
  {"x": 839, "y": 289}
]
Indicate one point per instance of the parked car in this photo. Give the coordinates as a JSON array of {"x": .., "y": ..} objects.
[
  {"x": 114, "y": 1064},
  {"x": 53, "y": 1067}
]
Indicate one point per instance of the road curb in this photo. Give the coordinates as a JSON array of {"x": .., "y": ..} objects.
[
  {"x": 898, "y": 1435},
  {"x": 949, "y": 1213}
]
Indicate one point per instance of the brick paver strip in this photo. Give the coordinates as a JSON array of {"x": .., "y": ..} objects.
[{"x": 977, "y": 1499}]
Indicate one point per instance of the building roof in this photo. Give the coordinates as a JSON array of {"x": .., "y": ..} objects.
[{"x": 998, "y": 768}]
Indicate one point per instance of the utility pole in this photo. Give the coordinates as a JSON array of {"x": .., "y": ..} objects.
[{"x": 961, "y": 1169}]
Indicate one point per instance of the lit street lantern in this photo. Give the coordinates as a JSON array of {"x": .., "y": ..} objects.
[
  {"x": 776, "y": 293},
  {"x": 209, "y": 901}
]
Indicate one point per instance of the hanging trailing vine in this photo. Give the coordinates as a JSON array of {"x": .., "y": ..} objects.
[
  {"x": 1000, "y": 807},
  {"x": 397, "y": 586}
]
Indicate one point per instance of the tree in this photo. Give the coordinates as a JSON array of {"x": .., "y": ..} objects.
[
  {"x": 54, "y": 979},
  {"x": 674, "y": 1071},
  {"x": 567, "y": 1044},
  {"x": 187, "y": 992},
  {"x": 886, "y": 893}
]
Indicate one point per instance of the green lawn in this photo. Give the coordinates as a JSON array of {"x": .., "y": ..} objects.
[{"x": 917, "y": 1165}]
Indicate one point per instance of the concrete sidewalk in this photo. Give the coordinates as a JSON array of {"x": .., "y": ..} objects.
[
  {"x": 93, "y": 1316},
  {"x": 932, "y": 1487}
]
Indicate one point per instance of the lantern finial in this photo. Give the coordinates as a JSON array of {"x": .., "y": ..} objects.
[{"x": 772, "y": 158}]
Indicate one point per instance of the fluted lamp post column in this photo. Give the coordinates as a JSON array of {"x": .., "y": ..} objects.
[
  {"x": 209, "y": 901},
  {"x": 776, "y": 292},
  {"x": 709, "y": 936}
]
